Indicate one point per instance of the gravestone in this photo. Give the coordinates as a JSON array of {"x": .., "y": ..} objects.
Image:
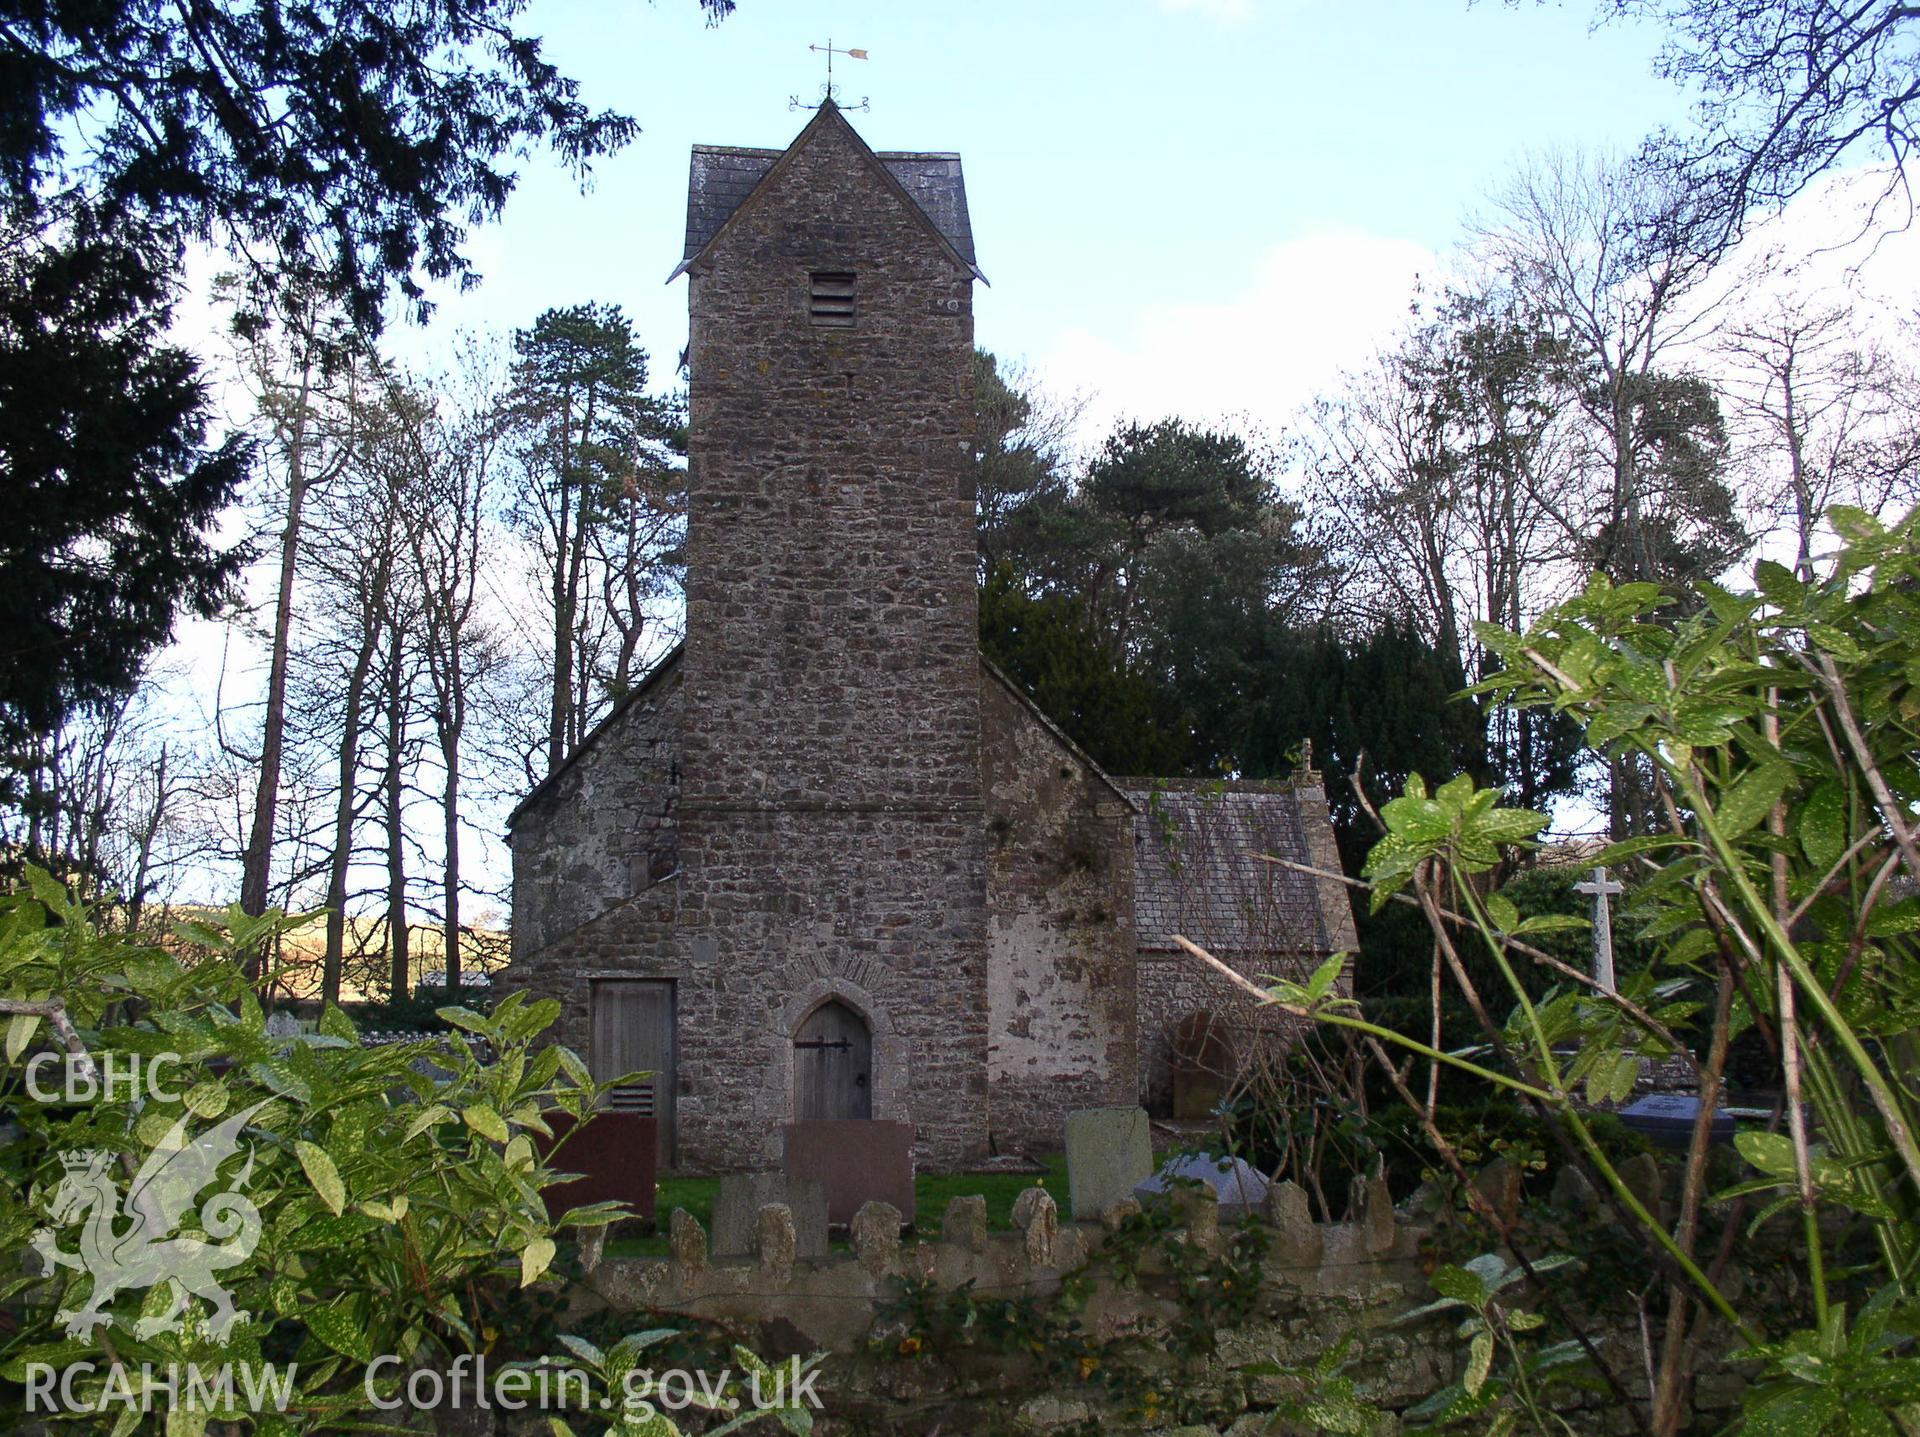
[
  {"x": 773, "y": 1241},
  {"x": 1202, "y": 1066},
  {"x": 1036, "y": 1215},
  {"x": 686, "y": 1240},
  {"x": 1666, "y": 1119},
  {"x": 615, "y": 1154},
  {"x": 875, "y": 1232},
  {"x": 1602, "y": 888},
  {"x": 1238, "y": 1187},
  {"x": 736, "y": 1213},
  {"x": 1109, "y": 1152},
  {"x": 855, "y": 1160},
  {"x": 965, "y": 1223}
]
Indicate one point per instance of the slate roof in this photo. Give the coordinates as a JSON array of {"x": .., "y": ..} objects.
[
  {"x": 1196, "y": 874},
  {"x": 724, "y": 175}
]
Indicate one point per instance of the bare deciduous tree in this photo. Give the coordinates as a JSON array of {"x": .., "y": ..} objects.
[{"x": 1826, "y": 413}]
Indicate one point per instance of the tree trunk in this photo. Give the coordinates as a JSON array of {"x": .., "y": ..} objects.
[
  {"x": 257, "y": 865},
  {"x": 562, "y": 634},
  {"x": 340, "y": 860},
  {"x": 399, "y": 979},
  {"x": 450, "y": 756},
  {"x": 149, "y": 835}
]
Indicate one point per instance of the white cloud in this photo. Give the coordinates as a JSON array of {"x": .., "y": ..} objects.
[{"x": 1311, "y": 307}]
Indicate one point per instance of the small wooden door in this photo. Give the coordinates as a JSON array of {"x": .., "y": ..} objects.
[
  {"x": 634, "y": 1031},
  {"x": 833, "y": 1065},
  {"x": 1203, "y": 1066}
]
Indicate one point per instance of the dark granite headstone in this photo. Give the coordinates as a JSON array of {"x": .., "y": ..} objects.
[
  {"x": 1666, "y": 1119},
  {"x": 1202, "y": 1066},
  {"x": 857, "y": 1161},
  {"x": 616, "y": 1155}
]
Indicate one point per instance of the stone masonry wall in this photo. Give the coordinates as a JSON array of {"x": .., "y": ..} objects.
[
  {"x": 1061, "y": 960},
  {"x": 1317, "y": 1283},
  {"x": 595, "y": 835},
  {"x": 832, "y": 839}
]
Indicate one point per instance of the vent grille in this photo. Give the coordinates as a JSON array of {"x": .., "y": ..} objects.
[
  {"x": 830, "y": 298},
  {"x": 634, "y": 1098}
]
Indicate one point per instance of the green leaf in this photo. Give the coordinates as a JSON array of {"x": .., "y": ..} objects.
[
  {"x": 1479, "y": 1362},
  {"x": 1837, "y": 642},
  {"x": 1550, "y": 923},
  {"x": 341, "y": 1331},
  {"x": 206, "y": 1100},
  {"x": 1506, "y": 918},
  {"x": 1891, "y": 920},
  {"x": 20, "y": 1033},
  {"x": 324, "y": 1176},
  {"x": 1615, "y": 854},
  {"x": 1778, "y": 583},
  {"x": 1856, "y": 526},
  {"x": 1509, "y": 825},
  {"x": 1626, "y": 1072},
  {"x": 1460, "y": 1285},
  {"x": 584, "y": 1350},
  {"x": 1325, "y": 977},
  {"x": 282, "y": 1079},
  {"x": 427, "y": 1118},
  {"x": 1753, "y": 797},
  {"x": 1797, "y": 1411},
  {"x": 485, "y": 1121},
  {"x": 535, "y": 1258},
  {"x": 184, "y": 1421},
  {"x": 1416, "y": 819},
  {"x": 1771, "y": 1153},
  {"x": 467, "y": 1020}
]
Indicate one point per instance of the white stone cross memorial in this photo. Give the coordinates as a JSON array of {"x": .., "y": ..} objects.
[{"x": 1602, "y": 888}]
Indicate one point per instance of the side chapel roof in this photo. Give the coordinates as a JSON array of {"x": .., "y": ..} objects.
[{"x": 1197, "y": 870}]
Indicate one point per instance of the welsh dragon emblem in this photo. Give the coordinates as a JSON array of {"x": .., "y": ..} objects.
[{"x": 145, "y": 1253}]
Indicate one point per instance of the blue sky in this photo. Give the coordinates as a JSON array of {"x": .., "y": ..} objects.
[
  {"x": 1142, "y": 173},
  {"x": 1199, "y": 207}
]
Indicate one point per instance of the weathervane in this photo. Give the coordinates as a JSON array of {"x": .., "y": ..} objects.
[{"x": 826, "y": 90}]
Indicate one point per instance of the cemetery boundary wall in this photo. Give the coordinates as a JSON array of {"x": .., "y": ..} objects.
[{"x": 896, "y": 1372}]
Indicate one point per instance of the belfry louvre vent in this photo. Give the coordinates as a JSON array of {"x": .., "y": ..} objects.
[{"x": 830, "y": 298}]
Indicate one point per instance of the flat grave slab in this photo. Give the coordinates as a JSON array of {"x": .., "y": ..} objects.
[{"x": 1666, "y": 1119}]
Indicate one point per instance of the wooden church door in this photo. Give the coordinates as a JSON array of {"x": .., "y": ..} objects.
[
  {"x": 633, "y": 1031},
  {"x": 833, "y": 1065}
]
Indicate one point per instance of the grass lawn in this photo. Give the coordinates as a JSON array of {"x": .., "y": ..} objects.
[{"x": 932, "y": 1193}]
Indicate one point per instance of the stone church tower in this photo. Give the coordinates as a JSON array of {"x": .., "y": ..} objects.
[
  {"x": 832, "y": 787},
  {"x": 825, "y": 861}
]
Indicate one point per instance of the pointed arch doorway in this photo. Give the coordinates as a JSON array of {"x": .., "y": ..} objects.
[{"x": 833, "y": 1064}]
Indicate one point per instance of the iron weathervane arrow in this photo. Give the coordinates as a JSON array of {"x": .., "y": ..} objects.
[{"x": 827, "y": 95}]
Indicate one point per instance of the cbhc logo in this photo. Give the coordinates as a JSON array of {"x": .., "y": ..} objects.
[{"x": 117, "y": 1077}]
